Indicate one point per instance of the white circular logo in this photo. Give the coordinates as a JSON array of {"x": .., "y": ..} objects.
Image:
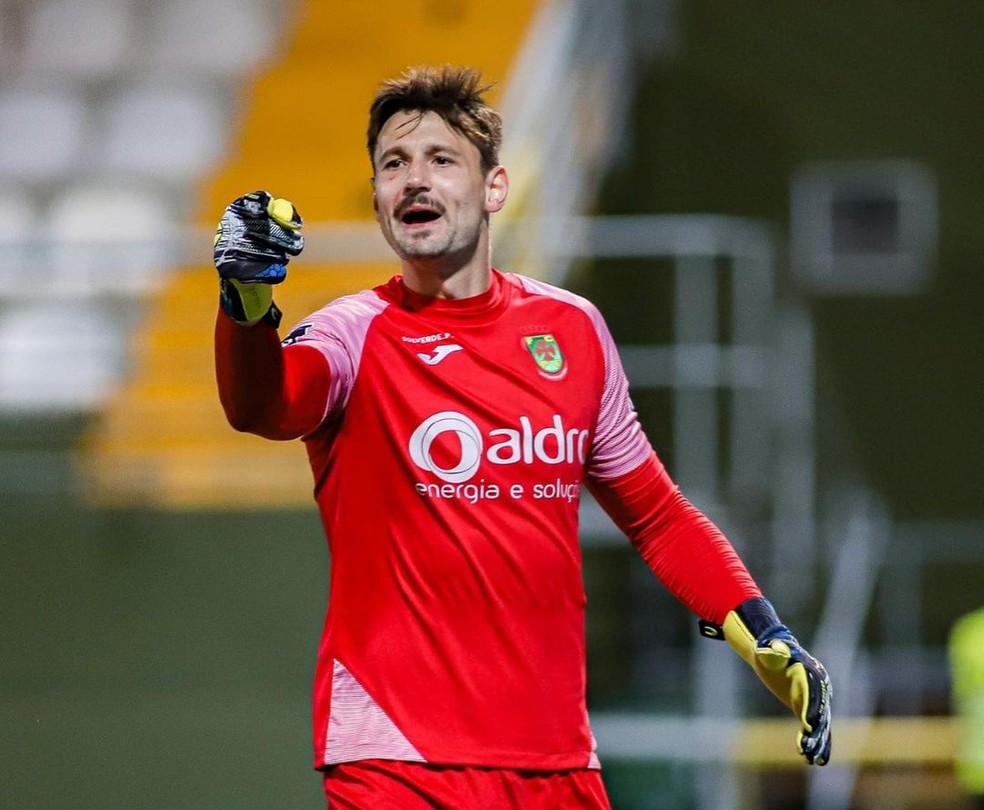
[{"x": 468, "y": 435}]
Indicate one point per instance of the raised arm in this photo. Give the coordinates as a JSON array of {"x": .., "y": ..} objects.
[{"x": 264, "y": 388}]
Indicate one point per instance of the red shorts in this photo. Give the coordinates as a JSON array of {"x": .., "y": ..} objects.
[{"x": 378, "y": 784}]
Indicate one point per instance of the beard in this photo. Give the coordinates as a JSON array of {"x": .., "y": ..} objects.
[{"x": 423, "y": 246}]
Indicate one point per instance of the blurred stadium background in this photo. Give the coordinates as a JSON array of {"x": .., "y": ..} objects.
[{"x": 776, "y": 204}]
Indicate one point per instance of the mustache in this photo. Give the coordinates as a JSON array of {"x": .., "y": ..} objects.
[{"x": 418, "y": 199}]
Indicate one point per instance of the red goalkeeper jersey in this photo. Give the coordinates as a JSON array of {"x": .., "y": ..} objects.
[{"x": 449, "y": 445}]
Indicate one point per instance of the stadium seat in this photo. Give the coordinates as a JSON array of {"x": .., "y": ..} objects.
[
  {"x": 18, "y": 224},
  {"x": 57, "y": 356},
  {"x": 136, "y": 233},
  {"x": 168, "y": 133},
  {"x": 41, "y": 133},
  {"x": 10, "y": 39},
  {"x": 224, "y": 38},
  {"x": 87, "y": 39}
]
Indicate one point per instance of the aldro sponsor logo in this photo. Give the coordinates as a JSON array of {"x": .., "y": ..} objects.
[{"x": 451, "y": 446}]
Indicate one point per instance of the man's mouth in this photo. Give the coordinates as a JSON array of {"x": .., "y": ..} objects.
[
  {"x": 419, "y": 217},
  {"x": 419, "y": 214}
]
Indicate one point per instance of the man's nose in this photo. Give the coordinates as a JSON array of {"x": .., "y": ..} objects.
[{"x": 417, "y": 178}]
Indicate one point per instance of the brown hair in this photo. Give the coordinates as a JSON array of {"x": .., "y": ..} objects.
[{"x": 455, "y": 94}]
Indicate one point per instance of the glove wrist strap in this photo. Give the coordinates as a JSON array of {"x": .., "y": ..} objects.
[
  {"x": 248, "y": 304},
  {"x": 752, "y": 623},
  {"x": 759, "y": 617}
]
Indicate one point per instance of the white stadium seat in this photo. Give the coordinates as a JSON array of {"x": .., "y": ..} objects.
[
  {"x": 170, "y": 133},
  {"x": 219, "y": 37},
  {"x": 10, "y": 39},
  {"x": 57, "y": 356},
  {"x": 19, "y": 226},
  {"x": 87, "y": 39},
  {"x": 109, "y": 239},
  {"x": 41, "y": 133}
]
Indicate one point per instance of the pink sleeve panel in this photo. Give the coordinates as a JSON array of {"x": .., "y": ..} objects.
[
  {"x": 619, "y": 444},
  {"x": 339, "y": 332}
]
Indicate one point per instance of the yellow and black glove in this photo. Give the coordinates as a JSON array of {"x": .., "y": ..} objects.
[
  {"x": 793, "y": 675},
  {"x": 253, "y": 242}
]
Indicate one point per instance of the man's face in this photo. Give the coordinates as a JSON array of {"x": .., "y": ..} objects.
[{"x": 431, "y": 197}]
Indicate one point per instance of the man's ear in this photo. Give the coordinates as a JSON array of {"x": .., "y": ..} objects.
[{"x": 496, "y": 189}]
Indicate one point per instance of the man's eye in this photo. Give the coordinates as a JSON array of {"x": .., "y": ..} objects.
[
  {"x": 393, "y": 163},
  {"x": 443, "y": 160}
]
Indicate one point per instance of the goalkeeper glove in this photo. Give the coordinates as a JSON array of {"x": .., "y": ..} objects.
[
  {"x": 793, "y": 675},
  {"x": 253, "y": 242}
]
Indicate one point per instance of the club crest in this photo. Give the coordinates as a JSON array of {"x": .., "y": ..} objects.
[{"x": 545, "y": 351}]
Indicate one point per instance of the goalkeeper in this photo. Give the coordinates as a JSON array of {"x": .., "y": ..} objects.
[{"x": 451, "y": 417}]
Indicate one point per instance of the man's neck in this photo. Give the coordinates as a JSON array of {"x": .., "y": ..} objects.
[{"x": 441, "y": 281}]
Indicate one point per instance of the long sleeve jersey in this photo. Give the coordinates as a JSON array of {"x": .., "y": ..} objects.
[{"x": 449, "y": 441}]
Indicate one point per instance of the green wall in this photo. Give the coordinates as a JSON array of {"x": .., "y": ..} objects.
[
  {"x": 757, "y": 89},
  {"x": 155, "y": 660}
]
